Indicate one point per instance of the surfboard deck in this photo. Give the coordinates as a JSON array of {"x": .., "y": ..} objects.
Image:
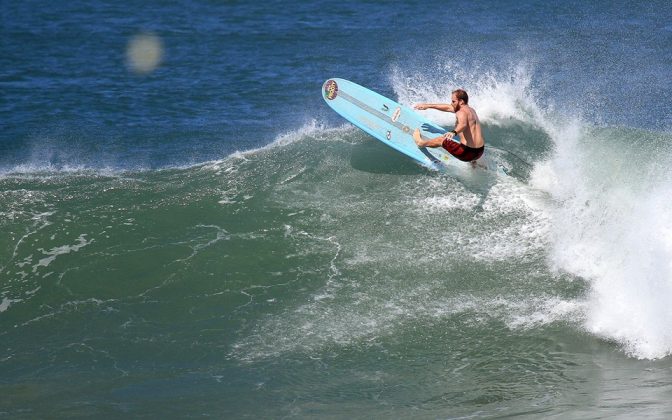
[{"x": 392, "y": 123}]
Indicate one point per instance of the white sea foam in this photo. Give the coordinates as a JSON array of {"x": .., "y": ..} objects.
[
  {"x": 53, "y": 253},
  {"x": 611, "y": 226},
  {"x": 6, "y": 302}
]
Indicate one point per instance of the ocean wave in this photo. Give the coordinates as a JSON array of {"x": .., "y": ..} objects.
[{"x": 609, "y": 190}]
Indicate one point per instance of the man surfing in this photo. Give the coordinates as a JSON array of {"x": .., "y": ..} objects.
[{"x": 467, "y": 126}]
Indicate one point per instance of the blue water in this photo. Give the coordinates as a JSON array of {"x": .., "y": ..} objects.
[{"x": 204, "y": 236}]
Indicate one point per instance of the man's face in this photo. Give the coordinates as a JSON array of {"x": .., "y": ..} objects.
[{"x": 455, "y": 102}]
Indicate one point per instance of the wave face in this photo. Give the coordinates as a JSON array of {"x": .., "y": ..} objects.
[{"x": 208, "y": 237}]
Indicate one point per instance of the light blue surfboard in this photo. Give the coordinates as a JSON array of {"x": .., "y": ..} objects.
[{"x": 391, "y": 123}]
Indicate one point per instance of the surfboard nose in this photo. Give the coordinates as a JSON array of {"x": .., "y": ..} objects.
[{"x": 330, "y": 89}]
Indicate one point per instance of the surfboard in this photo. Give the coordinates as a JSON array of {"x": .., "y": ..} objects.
[{"x": 391, "y": 123}]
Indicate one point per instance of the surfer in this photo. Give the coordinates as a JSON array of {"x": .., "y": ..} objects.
[{"x": 467, "y": 126}]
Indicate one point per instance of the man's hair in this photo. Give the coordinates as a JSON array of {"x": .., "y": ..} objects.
[{"x": 462, "y": 94}]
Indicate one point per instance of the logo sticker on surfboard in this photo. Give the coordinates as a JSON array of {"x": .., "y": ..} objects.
[
  {"x": 330, "y": 89},
  {"x": 397, "y": 113}
]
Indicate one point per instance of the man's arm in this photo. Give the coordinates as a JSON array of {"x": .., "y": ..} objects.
[{"x": 440, "y": 107}]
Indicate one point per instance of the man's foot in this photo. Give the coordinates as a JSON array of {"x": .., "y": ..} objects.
[{"x": 418, "y": 138}]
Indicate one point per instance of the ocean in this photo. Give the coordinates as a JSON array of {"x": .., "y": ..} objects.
[{"x": 187, "y": 229}]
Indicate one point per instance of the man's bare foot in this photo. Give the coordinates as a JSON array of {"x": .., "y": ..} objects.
[{"x": 418, "y": 138}]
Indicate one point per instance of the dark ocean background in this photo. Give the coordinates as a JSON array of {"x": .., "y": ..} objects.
[{"x": 187, "y": 229}]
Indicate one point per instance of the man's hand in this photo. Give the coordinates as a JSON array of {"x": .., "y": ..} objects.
[{"x": 420, "y": 107}]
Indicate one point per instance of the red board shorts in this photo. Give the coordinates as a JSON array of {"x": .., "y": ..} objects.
[{"x": 462, "y": 152}]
